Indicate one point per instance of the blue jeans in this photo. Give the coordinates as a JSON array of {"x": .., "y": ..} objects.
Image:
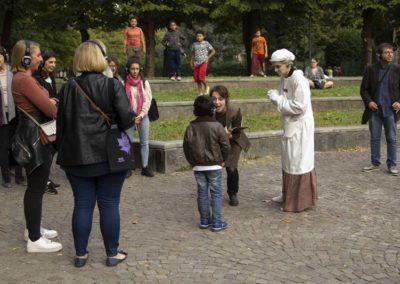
[
  {"x": 143, "y": 130},
  {"x": 209, "y": 180},
  {"x": 375, "y": 127},
  {"x": 106, "y": 190},
  {"x": 174, "y": 62}
]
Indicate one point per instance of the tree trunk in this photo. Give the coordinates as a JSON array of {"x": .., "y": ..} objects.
[
  {"x": 84, "y": 35},
  {"x": 366, "y": 35},
  {"x": 396, "y": 42},
  {"x": 250, "y": 22},
  {"x": 149, "y": 33},
  {"x": 83, "y": 27},
  {"x": 7, "y": 24}
]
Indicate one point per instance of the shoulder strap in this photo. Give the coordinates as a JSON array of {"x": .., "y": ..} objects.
[
  {"x": 28, "y": 115},
  {"x": 92, "y": 103}
]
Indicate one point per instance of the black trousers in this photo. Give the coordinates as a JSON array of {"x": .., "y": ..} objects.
[
  {"x": 37, "y": 181},
  {"x": 6, "y": 133},
  {"x": 232, "y": 180}
]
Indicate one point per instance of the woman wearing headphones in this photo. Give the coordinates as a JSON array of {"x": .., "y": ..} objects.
[
  {"x": 139, "y": 94},
  {"x": 30, "y": 97},
  {"x": 82, "y": 148}
]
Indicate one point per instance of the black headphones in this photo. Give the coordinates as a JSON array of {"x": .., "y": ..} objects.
[
  {"x": 101, "y": 48},
  {"x": 128, "y": 66},
  {"x": 27, "y": 58},
  {"x": 4, "y": 52}
]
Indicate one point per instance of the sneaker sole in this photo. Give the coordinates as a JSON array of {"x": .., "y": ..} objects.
[
  {"x": 204, "y": 226},
  {"x": 373, "y": 170},
  {"x": 218, "y": 230},
  {"x": 44, "y": 250}
]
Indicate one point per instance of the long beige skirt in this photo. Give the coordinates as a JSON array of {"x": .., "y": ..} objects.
[{"x": 299, "y": 191}]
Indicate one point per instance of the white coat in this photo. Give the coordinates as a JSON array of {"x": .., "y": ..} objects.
[{"x": 294, "y": 102}]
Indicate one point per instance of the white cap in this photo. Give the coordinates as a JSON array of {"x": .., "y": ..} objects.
[{"x": 282, "y": 55}]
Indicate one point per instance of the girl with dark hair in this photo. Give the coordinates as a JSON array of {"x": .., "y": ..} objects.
[
  {"x": 45, "y": 77},
  {"x": 231, "y": 118},
  {"x": 139, "y": 94}
]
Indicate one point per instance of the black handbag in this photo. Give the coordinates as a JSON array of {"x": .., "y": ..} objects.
[
  {"x": 153, "y": 111},
  {"x": 119, "y": 147}
]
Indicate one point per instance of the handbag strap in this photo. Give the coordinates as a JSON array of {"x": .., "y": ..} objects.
[
  {"x": 93, "y": 104},
  {"x": 28, "y": 115}
]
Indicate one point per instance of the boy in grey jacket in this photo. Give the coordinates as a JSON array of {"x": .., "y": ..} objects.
[
  {"x": 173, "y": 41},
  {"x": 206, "y": 146}
]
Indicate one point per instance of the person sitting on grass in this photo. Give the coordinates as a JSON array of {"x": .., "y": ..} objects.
[
  {"x": 206, "y": 147},
  {"x": 316, "y": 77},
  {"x": 202, "y": 51}
]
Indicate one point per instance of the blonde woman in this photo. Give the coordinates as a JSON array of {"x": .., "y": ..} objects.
[
  {"x": 82, "y": 154},
  {"x": 34, "y": 99}
]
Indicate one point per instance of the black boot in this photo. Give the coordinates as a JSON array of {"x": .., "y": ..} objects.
[
  {"x": 147, "y": 172},
  {"x": 233, "y": 185},
  {"x": 233, "y": 200}
]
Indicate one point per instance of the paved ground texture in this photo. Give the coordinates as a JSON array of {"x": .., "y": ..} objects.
[{"x": 351, "y": 236}]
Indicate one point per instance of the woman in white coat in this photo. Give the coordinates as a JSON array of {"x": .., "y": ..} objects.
[{"x": 293, "y": 100}]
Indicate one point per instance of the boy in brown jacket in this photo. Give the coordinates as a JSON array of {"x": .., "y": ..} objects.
[{"x": 206, "y": 147}]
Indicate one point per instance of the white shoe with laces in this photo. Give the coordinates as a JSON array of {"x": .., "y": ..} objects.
[
  {"x": 43, "y": 245},
  {"x": 277, "y": 198},
  {"x": 48, "y": 234}
]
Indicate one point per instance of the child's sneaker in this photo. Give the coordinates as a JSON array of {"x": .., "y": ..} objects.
[
  {"x": 204, "y": 224},
  {"x": 216, "y": 227}
]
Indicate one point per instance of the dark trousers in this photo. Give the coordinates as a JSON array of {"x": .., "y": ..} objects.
[
  {"x": 174, "y": 62},
  {"x": 106, "y": 190},
  {"x": 33, "y": 197},
  {"x": 232, "y": 180},
  {"x": 6, "y": 133}
]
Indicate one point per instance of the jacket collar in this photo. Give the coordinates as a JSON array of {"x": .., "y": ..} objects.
[{"x": 204, "y": 119}]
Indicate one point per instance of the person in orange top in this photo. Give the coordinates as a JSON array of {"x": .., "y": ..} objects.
[
  {"x": 259, "y": 51},
  {"x": 134, "y": 43}
]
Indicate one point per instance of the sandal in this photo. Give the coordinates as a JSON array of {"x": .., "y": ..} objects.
[
  {"x": 113, "y": 261},
  {"x": 80, "y": 261}
]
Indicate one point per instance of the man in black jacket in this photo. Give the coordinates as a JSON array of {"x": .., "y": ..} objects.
[{"x": 380, "y": 91}]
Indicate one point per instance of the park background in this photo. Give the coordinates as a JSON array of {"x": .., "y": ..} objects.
[{"x": 341, "y": 33}]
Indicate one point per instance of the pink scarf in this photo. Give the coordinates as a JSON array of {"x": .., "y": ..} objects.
[{"x": 129, "y": 82}]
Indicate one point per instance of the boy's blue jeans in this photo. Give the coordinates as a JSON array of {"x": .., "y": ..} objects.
[
  {"x": 209, "y": 180},
  {"x": 174, "y": 62},
  {"x": 106, "y": 190},
  {"x": 375, "y": 127}
]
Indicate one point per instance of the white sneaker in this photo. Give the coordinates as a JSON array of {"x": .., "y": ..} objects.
[
  {"x": 277, "y": 198},
  {"x": 179, "y": 78},
  {"x": 48, "y": 234},
  {"x": 172, "y": 78},
  {"x": 43, "y": 245}
]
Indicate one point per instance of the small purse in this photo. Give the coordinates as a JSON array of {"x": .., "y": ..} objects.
[
  {"x": 119, "y": 147},
  {"x": 47, "y": 130},
  {"x": 153, "y": 111}
]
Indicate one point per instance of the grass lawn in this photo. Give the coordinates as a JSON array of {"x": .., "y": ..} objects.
[
  {"x": 253, "y": 93},
  {"x": 174, "y": 129}
]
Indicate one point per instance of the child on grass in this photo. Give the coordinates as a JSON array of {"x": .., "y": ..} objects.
[
  {"x": 202, "y": 51},
  {"x": 206, "y": 147}
]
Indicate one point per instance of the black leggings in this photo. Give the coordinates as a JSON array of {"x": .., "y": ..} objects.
[
  {"x": 232, "y": 180},
  {"x": 37, "y": 181}
]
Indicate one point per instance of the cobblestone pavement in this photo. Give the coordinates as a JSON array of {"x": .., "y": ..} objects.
[{"x": 351, "y": 236}]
